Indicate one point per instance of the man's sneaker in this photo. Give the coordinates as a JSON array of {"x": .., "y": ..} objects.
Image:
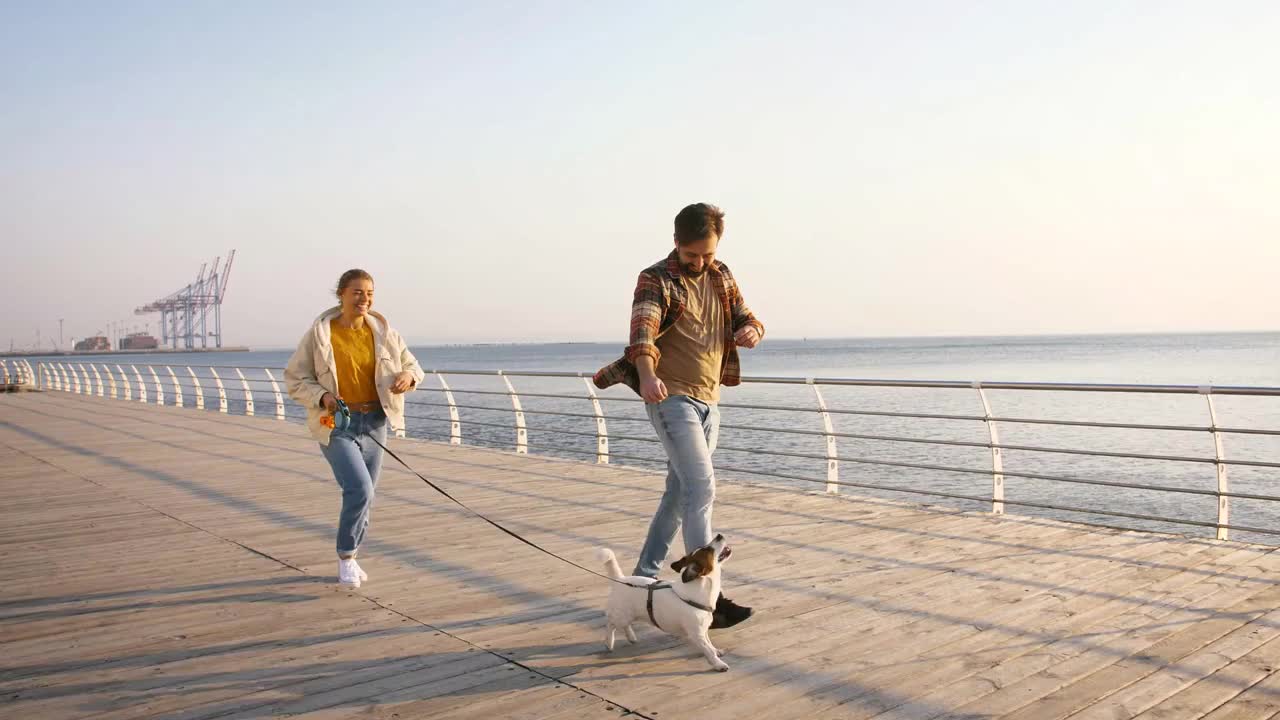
[
  {"x": 348, "y": 573},
  {"x": 364, "y": 576},
  {"x": 728, "y": 613}
]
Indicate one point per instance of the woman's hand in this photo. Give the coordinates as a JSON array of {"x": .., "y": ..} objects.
[
  {"x": 403, "y": 382},
  {"x": 329, "y": 402}
]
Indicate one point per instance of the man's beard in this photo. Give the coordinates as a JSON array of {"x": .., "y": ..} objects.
[{"x": 694, "y": 273}]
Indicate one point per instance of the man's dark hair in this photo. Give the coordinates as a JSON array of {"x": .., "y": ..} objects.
[{"x": 699, "y": 221}]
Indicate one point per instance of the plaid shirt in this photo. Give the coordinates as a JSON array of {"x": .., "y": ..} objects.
[{"x": 660, "y": 300}]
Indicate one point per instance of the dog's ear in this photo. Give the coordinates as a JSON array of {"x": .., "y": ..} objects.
[
  {"x": 691, "y": 572},
  {"x": 694, "y": 565},
  {"x": 688, "y": 568}
]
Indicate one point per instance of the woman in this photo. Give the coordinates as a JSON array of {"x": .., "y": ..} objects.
[{"x": 352, "y": 354}]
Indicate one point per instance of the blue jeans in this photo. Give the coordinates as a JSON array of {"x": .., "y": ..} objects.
[
  {"x": 356, "y": 461},
  {"x": 688, "y": 429}
]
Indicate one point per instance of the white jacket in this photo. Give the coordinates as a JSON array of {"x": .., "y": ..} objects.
[{"x": 311, "y": 371}]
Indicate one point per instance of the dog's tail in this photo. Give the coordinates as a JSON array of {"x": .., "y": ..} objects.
[{"x": 606, "y": 556}]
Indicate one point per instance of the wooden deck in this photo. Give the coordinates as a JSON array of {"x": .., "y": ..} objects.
[{"x": 168, "y": 562}]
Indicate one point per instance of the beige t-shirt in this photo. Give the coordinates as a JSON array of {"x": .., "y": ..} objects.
[{"x": 693, "y": 348}]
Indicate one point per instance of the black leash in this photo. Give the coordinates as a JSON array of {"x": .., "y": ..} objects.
[
  {"x": 498, "y": 525},
  {"x": 654, "y": 586},
  {"x": 651, "y": 587}
]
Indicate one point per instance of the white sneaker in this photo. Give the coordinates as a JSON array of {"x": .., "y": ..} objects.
[
  {"x": 360, "y": 571},
  {"x": 349, "y": 573}
]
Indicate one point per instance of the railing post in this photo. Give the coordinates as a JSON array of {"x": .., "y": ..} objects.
[
  {"x": 64, "y": 381},
  {"x": 997, "y": 462},
  {"x": 76, "y": 377},
  {"x": 602, "y": 432},
  {"x": 159, "y": 387},
  {"x": 97, "y": 376},
  {"x": 455, "y": 424},
  {"x": 248, "y": 394},
  {"x": 522, "y": 435},
  {"x": 124, "y": 376},
  {"x": 68, "y": 374},
  {"x": 31, "y": 372},
  {"x": 222, "y": 391},
  {"x": 828, "y": 430},
  {"x": 275, "y": 388},
  {"x": 111, "y": 379},
  {"x": 177, "y": 389},
  {"x": 4, "y": 364},
  {"x": 199, "y": 391},
  {"x": 1219, "y": 455},
  {"x": 142, "y": 386}
]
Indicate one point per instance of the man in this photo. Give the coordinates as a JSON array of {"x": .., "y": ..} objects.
[{"x": 687, "y": 320}]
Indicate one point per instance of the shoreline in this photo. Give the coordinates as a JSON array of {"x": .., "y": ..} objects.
[{"x": 150, "y": 351}]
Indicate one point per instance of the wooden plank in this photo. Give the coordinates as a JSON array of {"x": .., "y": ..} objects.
[
  {"x": 955, "y": 674},
  {"x": 1152, "y": 617},
  {"x": 1214, "y": 690},
  {"x": 1247, "y": 625},
  {"x": 894, "y": 656},
  {"x": 1260, "y": 700}
]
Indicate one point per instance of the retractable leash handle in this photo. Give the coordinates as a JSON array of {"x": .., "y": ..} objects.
[{"x": 342, "y": 416}]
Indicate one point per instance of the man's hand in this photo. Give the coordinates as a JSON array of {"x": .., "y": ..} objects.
[
  {"x": 652, "y": 389},
  {"x": 402, "y": 383},
  {"x": 329, "y": 402},
  {"x": 747, "y": 336}
]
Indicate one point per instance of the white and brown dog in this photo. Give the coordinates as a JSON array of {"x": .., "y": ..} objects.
[{"x": 681, "y": 608}]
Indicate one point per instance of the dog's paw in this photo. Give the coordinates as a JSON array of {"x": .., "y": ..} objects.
[{"x": 721, "y": 667}]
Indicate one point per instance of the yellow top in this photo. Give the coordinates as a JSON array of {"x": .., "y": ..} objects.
[{"x": 353, "y": 357}]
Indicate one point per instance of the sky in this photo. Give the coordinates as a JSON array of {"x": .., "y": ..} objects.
[{"x": 504, "y": 170}]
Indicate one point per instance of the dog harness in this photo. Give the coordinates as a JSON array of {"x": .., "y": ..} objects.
[{"x": 648, "y": 601}]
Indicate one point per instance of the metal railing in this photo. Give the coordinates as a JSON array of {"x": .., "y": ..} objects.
[
  {"x": 16, "y": 371},
  {"x": 99, "y": 379}
]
